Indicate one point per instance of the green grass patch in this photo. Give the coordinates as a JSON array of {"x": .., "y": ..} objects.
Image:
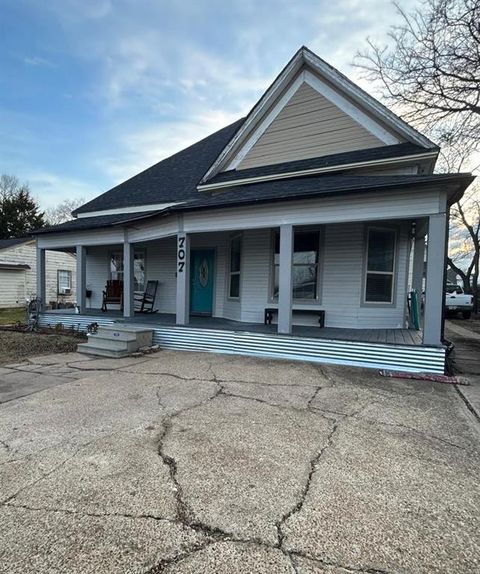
[{"x": 12, "y": 316}]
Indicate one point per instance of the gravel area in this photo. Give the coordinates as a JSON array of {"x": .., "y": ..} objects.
[{"x": 15, "y": 345}]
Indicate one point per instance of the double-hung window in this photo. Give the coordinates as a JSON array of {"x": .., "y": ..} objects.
[
  {"x": 64, "y": 282},
  {"x": 235, "y": 263},
  {"x": 306, "y": 247},
  {"x": 380, "y": 265},
  {"x": 116, "y": 268}
]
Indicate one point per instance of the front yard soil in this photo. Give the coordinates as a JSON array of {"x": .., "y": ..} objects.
[{"x": 15, "y": 346}]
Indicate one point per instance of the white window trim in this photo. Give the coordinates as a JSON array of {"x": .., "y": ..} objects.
[
  {"x": 69, "y": 275},
  {"x": 230, "y": 272},
  {"x": 141, "y": 250},
  {"x": 299, "y": 302},
  {"x": 393, "y": 272}
]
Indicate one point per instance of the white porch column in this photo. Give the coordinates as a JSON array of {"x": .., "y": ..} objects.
[
  {"x": 285, "y": 279},
  {"x": 128, "y": 279},
  {"x": 418, "y": 265},
  {"x": 41, "y": 277},
  {"x": 435, "y": 280},
  {"x": 81, "y": 277},
  {"x": 183, "y": 278}
]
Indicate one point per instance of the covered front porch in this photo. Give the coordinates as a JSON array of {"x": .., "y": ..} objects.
[
  {"x": 354, "y": 276},
  {"x": 219, "y": 272}
]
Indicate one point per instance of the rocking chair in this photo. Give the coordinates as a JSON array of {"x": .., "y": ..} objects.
[
  {"x": 144, "y": 301},
  {"x": 113, "y": 293}
]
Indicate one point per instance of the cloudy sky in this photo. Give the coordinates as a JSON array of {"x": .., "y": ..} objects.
[{"x": 93, "y": 91}]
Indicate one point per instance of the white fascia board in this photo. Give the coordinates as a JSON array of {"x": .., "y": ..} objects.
[
  {"x": 132, "y": 209},
  {"x": 267, "y": 121},
  {"x": 319, "y": 170},
  {"x": 263, "y": 104},
  {"x": 350, "y": 109}
]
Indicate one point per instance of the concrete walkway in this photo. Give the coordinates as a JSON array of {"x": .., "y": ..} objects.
[
  {"x": 466, "y": 359},
  {"x": 199, "y": 463}
]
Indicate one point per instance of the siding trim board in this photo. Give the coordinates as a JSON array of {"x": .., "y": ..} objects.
[
  {"x": 314, "y": 171},
  {"x": 414, "y": 359}
]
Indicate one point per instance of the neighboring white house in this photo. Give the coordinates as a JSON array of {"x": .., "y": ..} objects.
[
  {"x": 18, "y": 273},
  {"x": 315, "y": 205}
]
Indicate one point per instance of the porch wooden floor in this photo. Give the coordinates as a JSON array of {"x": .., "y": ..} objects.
[{"x": 386, "y": 336}]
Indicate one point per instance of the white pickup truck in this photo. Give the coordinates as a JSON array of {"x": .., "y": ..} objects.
[{"x": 456, "y": 301}]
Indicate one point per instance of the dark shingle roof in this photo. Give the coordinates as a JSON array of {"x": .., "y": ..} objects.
[
  {"x": 337, "y": 159},
  {"x": 5, "y": 243},
  {"x": 274, "y": 191},
  {"x": 173, "y": 179},
  {"x": 82, "y": 223},
  {"x": 176, "y": 178},
  {"x": 318, "y": 185}
]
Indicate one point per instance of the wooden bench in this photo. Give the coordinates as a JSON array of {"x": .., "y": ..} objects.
[{"x": 270, "y": 312}]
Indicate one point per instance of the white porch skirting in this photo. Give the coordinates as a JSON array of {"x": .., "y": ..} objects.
[{"x": 409, "y": 358}]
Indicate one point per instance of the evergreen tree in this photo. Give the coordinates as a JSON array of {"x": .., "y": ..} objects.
[{"x": 19, "y": 212}]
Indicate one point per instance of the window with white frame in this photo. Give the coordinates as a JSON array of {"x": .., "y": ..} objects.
[
  {"x": 306, "y": 254},
  {"x": 235, "y": 263},
  {"x": 380, "y": 265},
  {"x": 116, "y": 268},
  {"x": 64, "y": 282}
]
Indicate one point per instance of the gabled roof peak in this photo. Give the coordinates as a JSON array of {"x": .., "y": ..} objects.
[{"x": 324, "y": 76}]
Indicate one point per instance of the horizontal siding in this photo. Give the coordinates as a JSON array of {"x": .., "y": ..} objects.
[
  {"x": 308, "y": 126},
  {"x": 255, "y": 274},
  {"x": 97, "y": 274},
  {"x": 347, "y": 208},
  {"x": 342, "y": 263},
  {"x": 13, "y": 291},
  {"x": 160, "y": 265},
  {"x": 26, "y": 254}
]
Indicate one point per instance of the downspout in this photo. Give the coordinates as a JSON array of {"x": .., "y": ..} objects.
[{"x": 445, "y": 265}]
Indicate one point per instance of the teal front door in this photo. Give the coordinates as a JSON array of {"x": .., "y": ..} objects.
[{"x": 202, "y": 276}]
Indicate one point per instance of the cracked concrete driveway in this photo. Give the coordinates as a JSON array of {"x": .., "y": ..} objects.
[{"x": 191, "y": 463}]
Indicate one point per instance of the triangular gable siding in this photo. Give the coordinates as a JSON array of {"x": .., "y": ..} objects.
[{"x": 308, "y": 126}]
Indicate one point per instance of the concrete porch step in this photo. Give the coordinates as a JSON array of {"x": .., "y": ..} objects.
[
  {"x": 120, "y": 332},
  {"x": 88, "y": 349},
  {"x": 116, "y": 341},
  {"x": 114, "y": 345}
]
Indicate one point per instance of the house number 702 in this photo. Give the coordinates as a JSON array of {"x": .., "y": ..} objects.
[{"x": 181, "y": 254}]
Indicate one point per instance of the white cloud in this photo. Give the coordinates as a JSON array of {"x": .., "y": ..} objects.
[
  {"x": 38, "y": 61},
  {"x": 52, "y": 188},
  {"x": 140, "y": 149}
]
